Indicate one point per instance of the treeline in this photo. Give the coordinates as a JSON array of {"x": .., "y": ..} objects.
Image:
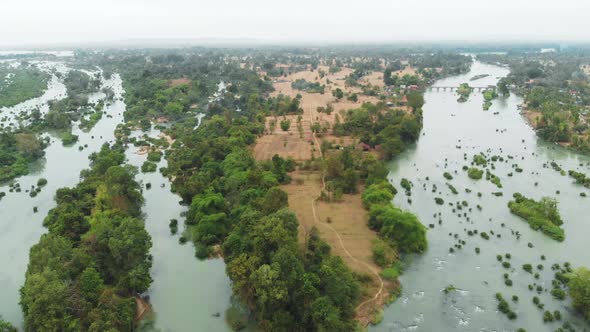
[
  {"x": 85, "y": 273},
  {"x": 236, "y": 202},
  {"x": 379, "y": 126}
]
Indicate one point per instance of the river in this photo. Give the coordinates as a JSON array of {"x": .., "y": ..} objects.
[
  {"x": 186, "y": 293},
  {"x": 452, "y": 129}
]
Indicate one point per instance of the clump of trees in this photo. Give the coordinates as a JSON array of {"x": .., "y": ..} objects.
[
  {"x": 401, "y": 229},
  {"x": 541, "y": 215},
  {"x": 6, "y": 326},
  {"x": 464, "y": 91},
  {"x": 310, "y": 87},
  {"x": 17, "y": 150},
  {"x": 475, "y": 173},
  {"x": 85, "y": 272},
  {"x": 377, "y": 125},
  {"x": 579, "y": 290}
]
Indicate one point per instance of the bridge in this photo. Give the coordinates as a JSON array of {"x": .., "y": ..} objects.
[{"x": 454, "y": 88}]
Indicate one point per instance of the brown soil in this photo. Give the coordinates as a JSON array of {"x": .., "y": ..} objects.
[
  {"x": 532, "y": 117},
  {"x": 343, "y": 225},
  {"x": 298, "y": 145},
  {"x": 142, "y": 308},
  {"x": 179, "y": 81}
]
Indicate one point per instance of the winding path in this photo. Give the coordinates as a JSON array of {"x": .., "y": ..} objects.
[{"x": 316, "y": 220}]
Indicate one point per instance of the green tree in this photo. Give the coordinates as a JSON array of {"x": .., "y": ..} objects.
[
  {"x": 579, "y": 290},
  {"x": 415, "y": 100}
]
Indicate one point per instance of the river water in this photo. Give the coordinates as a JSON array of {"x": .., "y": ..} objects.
[
  {"x": 452, "y": 129},
  {"x": 186, "y": 293}
]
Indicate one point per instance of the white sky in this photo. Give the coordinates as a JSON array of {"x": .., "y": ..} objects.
[{"x": 28, "y": 22}]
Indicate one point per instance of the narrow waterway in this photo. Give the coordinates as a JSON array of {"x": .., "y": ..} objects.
[
  {"x": 186, "y": 295},
  {"x": 20, "y": 226},
  {"x": 453, "y": 132}
]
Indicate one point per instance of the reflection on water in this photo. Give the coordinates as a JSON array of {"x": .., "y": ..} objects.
[{"x": 453, "y": 132}]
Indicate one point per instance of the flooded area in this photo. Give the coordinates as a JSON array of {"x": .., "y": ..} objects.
[
  {"x": 453, "y": 132},
  {"x": 186, "y": 294}
]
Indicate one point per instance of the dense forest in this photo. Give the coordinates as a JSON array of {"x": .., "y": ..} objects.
[{"x": 85, "y": 273}]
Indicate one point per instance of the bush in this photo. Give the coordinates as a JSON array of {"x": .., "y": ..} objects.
[
  {"x": 475, "y": 173},
  {"x": 383, "y": 254},
  {"x": 41, "y": 182},
  {"x": 285, "y": 125},
  {"x": 378, "y": 193},
  {"x": 400, "y": 227},
  {"x": 542, "y": 215},
  {"x": 148, "y": 167},
  {"x": 154, "y": 156},
  {"x": 390, "y": 273}
]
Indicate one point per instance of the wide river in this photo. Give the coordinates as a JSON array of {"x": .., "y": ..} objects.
[{"x": 451, "y": 130}]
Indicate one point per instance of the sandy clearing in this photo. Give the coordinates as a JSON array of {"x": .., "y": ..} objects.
[
  {"x": 532, "y": 117},
  {"x": 179, "y": 81}
]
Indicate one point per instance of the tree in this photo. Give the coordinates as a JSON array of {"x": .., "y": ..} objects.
[
  {"x": 6, "y": 326},
  {"x": 415, "y": 100},
  {"x": 43, "y": 300},
  {"x": 90, "y": 284},
  {"x": 338, "y": 93},
  {"x": 274, "y": 200},
  {"x": 579, "y": 290},
  {"x": 29, "y": 145},
  {"x": 285, "y": 124}
]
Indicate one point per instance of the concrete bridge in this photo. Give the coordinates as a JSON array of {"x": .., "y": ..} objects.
[{"x": 454, "y": 88}]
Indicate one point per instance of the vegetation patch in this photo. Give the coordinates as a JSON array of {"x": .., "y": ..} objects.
[{"x": 541, "y": 215}]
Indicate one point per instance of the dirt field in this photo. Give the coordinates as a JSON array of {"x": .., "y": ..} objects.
[
  {"x": 179, "y": 81},
  {"x": 343, "y": 226},
  {"x": 294, "y": 144}
]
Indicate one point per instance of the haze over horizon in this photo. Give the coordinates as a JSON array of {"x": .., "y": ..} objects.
[{"x": 75, "y": 22}]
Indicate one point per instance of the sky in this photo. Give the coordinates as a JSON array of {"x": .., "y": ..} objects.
[{"x": 85, "y": 22}]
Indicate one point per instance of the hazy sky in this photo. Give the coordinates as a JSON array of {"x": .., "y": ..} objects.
[{"x": 25, "y": 22}]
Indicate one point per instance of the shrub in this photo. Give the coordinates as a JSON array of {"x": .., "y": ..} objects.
[
  {"x": 148, "y": 167},
  {"x": 542, "y": 215},
  {"x": 154, "y": 156},
  {"x": 383, "y": 254},
  {"x": 285, "y": 125},
  {"x": 390, "y": 273},
  {"x": 475, "y": 173}
]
